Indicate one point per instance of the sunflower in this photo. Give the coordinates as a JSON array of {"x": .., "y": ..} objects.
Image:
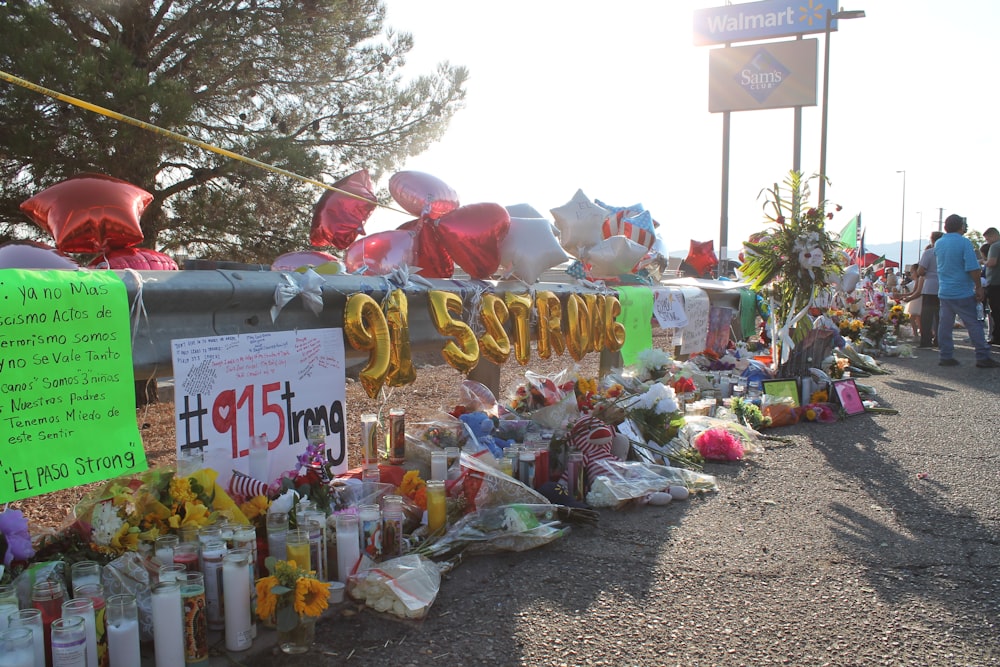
[
  {"x": 311, "y": 596},
  {"x": 267, "y": 601}
]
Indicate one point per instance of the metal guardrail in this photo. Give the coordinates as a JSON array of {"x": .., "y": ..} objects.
[{"x": 168, "y": 305}]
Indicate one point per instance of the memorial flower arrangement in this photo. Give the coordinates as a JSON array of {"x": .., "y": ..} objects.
[
  {"x": 414, "y": 488},
  {"x": 793, "y": 259},
  {"x": 289, "y": 593}
]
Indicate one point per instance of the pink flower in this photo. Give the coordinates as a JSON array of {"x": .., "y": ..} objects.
[{"x": 718, "y": 444}]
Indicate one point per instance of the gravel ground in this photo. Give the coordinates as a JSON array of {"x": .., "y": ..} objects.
[{"x": 872, "y": 541}]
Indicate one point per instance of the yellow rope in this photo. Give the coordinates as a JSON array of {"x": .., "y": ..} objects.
[{"x": 177, "y": 137}]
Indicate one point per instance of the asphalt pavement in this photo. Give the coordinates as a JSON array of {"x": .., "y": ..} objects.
[{"x": 871, "y": 541}]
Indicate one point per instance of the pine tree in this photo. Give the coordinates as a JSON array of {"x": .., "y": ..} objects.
[{"x": 314, "y": 87}]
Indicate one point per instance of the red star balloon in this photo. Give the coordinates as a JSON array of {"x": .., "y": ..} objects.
[
  {"x": 339, "y": 218},
  {"x": 472, "y": 235},
  {"x": 90, "y": 213},
  {"x": 140, "y": 259},
  {"x": 701, "y": 257},
  {"x": 429, "y": 252}
]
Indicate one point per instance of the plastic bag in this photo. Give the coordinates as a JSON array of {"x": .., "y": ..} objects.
[
  {"x": 512, "y": 527},
  {"x": 131, "y": 573},
  {"x": 781, "y": 410},
  {"x": 405, "y": 586},
  {"x": 484, "y": 486},
  {"x": 627, "y": 481}
]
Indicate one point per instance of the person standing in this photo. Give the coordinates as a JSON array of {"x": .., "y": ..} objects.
[
  {"x": 992, "y": 269},
  {"x": 914, "y": 298},
  {"x": 959, "y": 290},
  {"x": 929, "y": 295}
]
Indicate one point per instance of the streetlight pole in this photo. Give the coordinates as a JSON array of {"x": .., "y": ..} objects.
[
  {"x": 830, "y": 17},
  {"x": 902, "y": 225}
]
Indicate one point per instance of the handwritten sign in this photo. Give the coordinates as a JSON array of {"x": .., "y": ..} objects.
[
  {"x": 231, "y": 388},
  {"x": 668, "y": 308},
  {"x": 67, "y": 393},
  {"x": 695, "y": 333}
]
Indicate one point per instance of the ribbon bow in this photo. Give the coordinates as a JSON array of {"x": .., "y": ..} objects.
[{"x": 308, "y": 284}]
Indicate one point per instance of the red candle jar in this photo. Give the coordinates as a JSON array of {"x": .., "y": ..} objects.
[{"x": 47, "y": 596}]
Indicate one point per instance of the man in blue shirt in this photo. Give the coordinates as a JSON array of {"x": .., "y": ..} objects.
[{"x": 959, "y": 290}]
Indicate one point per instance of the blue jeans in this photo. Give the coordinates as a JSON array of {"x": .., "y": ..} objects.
[{"x": 966, "y": 310}]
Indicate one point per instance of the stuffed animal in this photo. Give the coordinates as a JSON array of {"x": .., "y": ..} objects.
[
  {"x": 594, "y": 439},
  {"x": 481, "y": 425}
]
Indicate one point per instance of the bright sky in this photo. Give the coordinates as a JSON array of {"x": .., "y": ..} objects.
[{"x": 612, "y": 97}]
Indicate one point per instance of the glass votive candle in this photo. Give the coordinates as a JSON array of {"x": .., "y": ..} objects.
[
  {"x": 277, "y": 529},
  {"x": 348, "y": 545},
  {"x": 82, "y": 608},
  {"x": 170, "y": 572},
  {"x": 297, "y": 547},
  {"x": 16, "y": 647},
  {"x": 123, "y": 630},
  {"x": 69, "y": 641},
  {"x": 31, "y": 619},
  {"x": 186, "y": 554},
  {"x": 164, "y": 548},
  {"x": 371, "y": 477},
  {"x": 436, "y": 505},
  {"x": 439, "y": 465},
  {"x": 8, "y": 604},
  {"x": 85, "y": 572}
]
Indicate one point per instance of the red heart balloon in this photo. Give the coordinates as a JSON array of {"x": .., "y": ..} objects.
[
  {"x": 339, "y": 218},
  {"x": 381, "y": 252},
  {"x": 429, "y": 251},
  {"x": 422, "y": 194},
  {"x": 90, "y": 213},
  {"x": 33, "y": 255},
  {"x": 472, "y": 236},
  {"x": 140, "y": 259},
  {"x": 292, "y": 261},
  {"x": 701, "y": 257}
]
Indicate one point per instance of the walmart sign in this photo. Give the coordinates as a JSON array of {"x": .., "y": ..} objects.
[{"x": 761, "y": 20}]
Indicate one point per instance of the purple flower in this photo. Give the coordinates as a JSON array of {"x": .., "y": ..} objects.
[{"x": 14, "y": 527}]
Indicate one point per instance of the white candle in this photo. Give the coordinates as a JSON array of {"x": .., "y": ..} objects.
[
  {"x": 236, "y": 592},
  {"x": 348, "y": 544},
  {"x": 168, "y": 625},
  {"x": 123, "y": 643},
  {"x": 84, "y": 608},
  {"x": 18, "y": 651},
  {"x": 32, "y": 619},
  {"x": 6, "y": 610},
  {"x": 211, "y": 554},
  {"x": 258, "y": 459}
]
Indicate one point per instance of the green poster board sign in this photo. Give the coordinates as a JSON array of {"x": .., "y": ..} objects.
[{"x": 67, "y": 397}]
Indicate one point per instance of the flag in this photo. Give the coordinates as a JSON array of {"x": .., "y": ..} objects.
[{"x": 849, "y": 234}]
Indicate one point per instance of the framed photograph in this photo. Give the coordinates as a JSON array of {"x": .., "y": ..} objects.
[
  {"x": 847, "y": 394},
  {"x": 786, "y": 387}
]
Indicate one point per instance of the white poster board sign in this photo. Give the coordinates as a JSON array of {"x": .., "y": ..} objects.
[
  {"x": 668, "y": 308},
  {"x": 695, "y": 334},
  {"x": 229, "y": 388}
]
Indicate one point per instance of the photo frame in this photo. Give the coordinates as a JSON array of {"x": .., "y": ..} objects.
[
  {"x": 782, "y": 388},
  {"x": 847, "y": 393}
]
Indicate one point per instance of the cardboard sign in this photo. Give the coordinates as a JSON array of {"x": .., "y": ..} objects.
[
  {"x": 230, "y": 388},
  {"x": 668, "y": 308},
  {"x": 695, "y": 333},
  {"x": 67, "y": 392}
]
